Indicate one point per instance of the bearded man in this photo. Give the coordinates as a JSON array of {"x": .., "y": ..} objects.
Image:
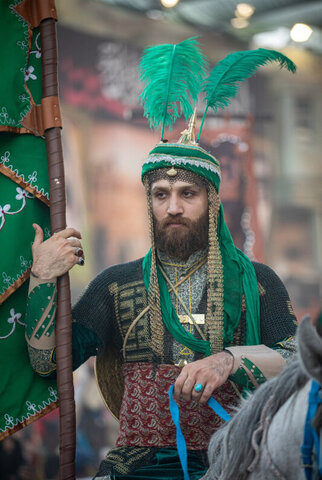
[{"x": 195, "y": 312}]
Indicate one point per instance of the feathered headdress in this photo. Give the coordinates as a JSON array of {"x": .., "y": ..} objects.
[{"x": 175, "y": 77}]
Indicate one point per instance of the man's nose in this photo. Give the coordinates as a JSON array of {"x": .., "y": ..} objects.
[{"x": 175, "y": 205}]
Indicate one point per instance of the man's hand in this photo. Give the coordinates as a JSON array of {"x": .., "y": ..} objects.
[
  {"x": 211, "y": 372},
  {"x": 55, "y": 256}
]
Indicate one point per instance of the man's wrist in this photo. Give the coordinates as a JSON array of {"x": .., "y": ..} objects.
[
  {"x": 41, "y": 276},
  {"x": 230, "y": 360}
]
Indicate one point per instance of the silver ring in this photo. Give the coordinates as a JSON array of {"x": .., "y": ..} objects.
[
  {"x": 80, "y": 261},
  {"x": 79, "y": 252}
]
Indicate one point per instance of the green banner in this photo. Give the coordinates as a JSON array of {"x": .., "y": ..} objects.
[{"x": 24, "y": 199}]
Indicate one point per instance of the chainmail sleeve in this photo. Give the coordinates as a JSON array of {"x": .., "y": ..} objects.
[
  {"x": 278, "y": 321},
  {"x": 94, "y": 309}
]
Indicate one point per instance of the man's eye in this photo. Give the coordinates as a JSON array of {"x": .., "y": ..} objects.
[
  {"x": 160, "y": 195},
  {"x": 188, "y": 194}
]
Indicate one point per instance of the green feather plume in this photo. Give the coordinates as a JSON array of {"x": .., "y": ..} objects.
[
  {"x": 224, "y": 80},
  {"x": 173, "y": 75}
]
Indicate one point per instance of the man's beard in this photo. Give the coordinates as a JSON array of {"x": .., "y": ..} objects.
[{"x": 181, "y": 242}]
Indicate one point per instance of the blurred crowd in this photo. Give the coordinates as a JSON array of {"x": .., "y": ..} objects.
[{"x": 33, "y": 452}]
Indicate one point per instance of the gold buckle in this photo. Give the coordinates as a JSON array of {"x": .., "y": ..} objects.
[
  {"x": 182, "y": 362},
  {"x": 199, "y": 318}
]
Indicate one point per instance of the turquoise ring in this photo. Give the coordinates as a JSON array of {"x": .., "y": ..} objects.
[{"x": 198, "y": 387}]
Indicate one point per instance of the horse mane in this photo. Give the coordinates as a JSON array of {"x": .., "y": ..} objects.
[{"x": 229, "y": 451}]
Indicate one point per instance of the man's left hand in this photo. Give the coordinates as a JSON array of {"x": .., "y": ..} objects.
[{"x": 211, "y": 372}]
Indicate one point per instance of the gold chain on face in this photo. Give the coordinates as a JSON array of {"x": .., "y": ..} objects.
[{"x": 157, "y": 327}]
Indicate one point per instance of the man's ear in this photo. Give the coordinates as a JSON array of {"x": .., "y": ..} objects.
[{"x": 310, "y": 349}]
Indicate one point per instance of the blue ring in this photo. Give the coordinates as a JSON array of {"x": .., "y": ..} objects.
[{"x": 198, "y": 387}]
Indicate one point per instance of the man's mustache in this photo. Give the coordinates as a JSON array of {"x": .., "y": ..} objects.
[{"x": 175, "y": 220}]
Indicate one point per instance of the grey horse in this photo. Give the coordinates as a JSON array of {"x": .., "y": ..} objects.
[{"x": 263, "y": 439}]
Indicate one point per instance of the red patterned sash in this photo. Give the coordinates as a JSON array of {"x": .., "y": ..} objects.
[{"x": 145, "y": 418}]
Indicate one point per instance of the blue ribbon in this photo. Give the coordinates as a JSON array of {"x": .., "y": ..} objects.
[
  {"x": 311, "y": 437},
  {"x": 181, "y": 443}
]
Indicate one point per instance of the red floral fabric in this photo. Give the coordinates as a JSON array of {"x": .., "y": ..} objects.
[{"x": 145, "y": 418}]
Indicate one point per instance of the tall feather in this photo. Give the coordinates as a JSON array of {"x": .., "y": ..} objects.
[
  {"x": 225, "y": 78},
  {"x": 173, "y": 75}
]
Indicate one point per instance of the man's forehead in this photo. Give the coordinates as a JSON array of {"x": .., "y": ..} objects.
[
  {"x": 170, "y": 183},
  {"x": 175, "y": 175}
]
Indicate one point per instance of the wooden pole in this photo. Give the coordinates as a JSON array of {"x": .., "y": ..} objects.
[{"x": 58, "y": 222}]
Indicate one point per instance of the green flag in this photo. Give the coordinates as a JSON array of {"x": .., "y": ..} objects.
[{"x": 24, "y": 199}]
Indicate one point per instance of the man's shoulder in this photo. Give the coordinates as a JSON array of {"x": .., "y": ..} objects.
[
  {"x": 262, "y": 268},
  {"x": 121, "y": 272},
  {"x": 266, "y": 275}
]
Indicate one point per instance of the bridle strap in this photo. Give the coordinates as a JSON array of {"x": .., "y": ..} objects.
[{"x": 311, "y": 438}]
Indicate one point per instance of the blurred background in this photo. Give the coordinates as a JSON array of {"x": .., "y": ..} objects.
[{"x": 269, "y": 144}]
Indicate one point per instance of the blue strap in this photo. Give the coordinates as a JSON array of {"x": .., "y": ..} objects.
[
  {"x": 181, "y": 443},
  {"x": 310, "y": 434}
]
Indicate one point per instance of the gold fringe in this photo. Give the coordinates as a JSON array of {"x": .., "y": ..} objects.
[
  {"x": 157, "y": 327},
  {"x": 215, "y": 278}
]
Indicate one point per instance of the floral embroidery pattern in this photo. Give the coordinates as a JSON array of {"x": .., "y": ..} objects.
[
  {"x": 22, "y": 44},
  {"x": 24, "y": 263},
  {"x": 29, "y": 73},
  {"x": 7, "y": 280},
  {"x": 23, "y": 98},
  {"x": 5, "y": 118},
  {"x": 38, "y": 51},
  {"x": 47, "y": 232},
  {"x": 32, "y": 178},
  {"x": 32, "y": 409},
  {"x": 13, "y": 320},
  {"x": 5, "y": 157},
  {"x": 5, "y": 210}
]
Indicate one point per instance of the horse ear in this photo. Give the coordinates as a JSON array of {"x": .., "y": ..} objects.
[{"x": 310, "y": 349}]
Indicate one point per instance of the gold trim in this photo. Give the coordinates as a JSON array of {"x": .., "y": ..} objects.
[
  {"x": 188, "y": 135},
  {"x": 199, "y": 318},
  {"x": 18, "y": 130},
  {"x": 109, "y": 378}
]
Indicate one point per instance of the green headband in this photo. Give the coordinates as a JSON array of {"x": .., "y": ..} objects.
[{"x": 189, "y": 157}]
